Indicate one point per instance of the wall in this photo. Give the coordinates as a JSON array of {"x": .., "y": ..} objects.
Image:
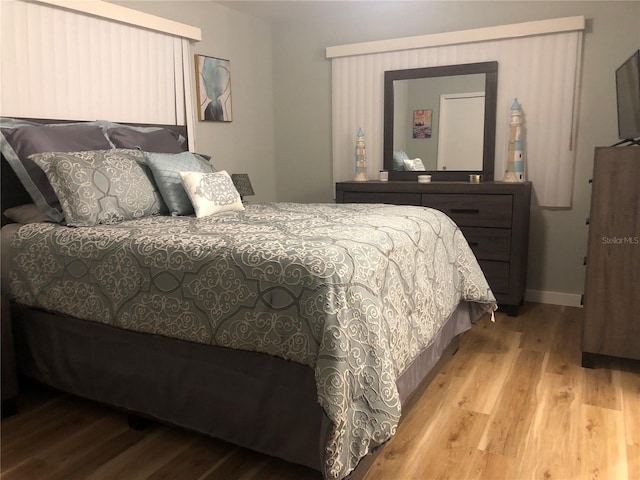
[
  {"x": 245, "y": 145},
  {"x": 282, "y": 100},
  {"x": 425, "y": 93},
  {"x": 302, "y": 95}
]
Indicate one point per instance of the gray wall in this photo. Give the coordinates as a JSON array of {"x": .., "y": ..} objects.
[
  {"x": 425, "y": 93},
  {"x": 281, "y": 133},
  {"x": 302, "y": 97},
  {"x": 245, "y": 145}
]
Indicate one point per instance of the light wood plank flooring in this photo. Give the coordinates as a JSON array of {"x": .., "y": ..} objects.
[{"x": 513, "y": 403}]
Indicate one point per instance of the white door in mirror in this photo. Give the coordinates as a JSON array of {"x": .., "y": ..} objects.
[{"x": 460, "y": 137}]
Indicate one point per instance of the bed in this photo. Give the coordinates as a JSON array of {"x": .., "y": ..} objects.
[{"x": 296, "y": 330}]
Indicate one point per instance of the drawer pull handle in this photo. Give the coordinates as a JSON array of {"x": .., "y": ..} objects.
[
  {"x": 473, "y": 244},
  {"x": 471, "y": 211}
]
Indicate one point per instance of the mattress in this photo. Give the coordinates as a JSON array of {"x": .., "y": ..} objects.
[{"x": 354, "y": 292}]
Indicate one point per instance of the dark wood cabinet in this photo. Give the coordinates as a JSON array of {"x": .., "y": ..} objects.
[
  {"x": 612, "y": 290},
  {"x": 493, "y": 216}
]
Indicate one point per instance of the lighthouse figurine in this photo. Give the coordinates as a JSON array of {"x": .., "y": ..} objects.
[
  {"x": 515, "y": 154},
  {"x": 361, "y": 158}
]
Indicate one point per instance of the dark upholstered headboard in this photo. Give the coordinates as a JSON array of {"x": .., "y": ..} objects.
[{"x": 14, "y": 194}]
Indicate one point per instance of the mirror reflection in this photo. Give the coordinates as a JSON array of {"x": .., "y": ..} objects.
[
  {"x": 438, "y": 123},
  {"x": 440, "y": 120}
]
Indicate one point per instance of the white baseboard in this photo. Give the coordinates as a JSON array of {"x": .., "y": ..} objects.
[{"x": 553, "y": 298}]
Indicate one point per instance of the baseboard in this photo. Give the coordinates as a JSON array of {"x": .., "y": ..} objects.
[{"x": 554, "y": 298}]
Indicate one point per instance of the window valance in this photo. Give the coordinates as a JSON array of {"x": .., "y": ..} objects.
[
  {"x": 94, "y": 60},
  {"x": 538, "y": 62}
]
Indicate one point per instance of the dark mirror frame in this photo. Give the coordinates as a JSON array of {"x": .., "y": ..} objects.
[{"x": 491, "y": 93}]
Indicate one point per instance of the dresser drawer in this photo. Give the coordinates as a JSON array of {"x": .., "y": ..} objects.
[
  {"x": 394, "y": 198},
  {"x": 489, "y": 243},
  {"x": 493, "y": 216},
  {"x": 497, "y": 274},
  {"x": 473, "y": 210}
]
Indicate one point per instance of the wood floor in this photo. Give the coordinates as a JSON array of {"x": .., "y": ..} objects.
[{"x": 513, "y": 403}]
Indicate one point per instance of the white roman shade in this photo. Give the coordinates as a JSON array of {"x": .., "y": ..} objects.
[
  {"x": 539, "y": 64},
  {"x": 67, "y": 64}
]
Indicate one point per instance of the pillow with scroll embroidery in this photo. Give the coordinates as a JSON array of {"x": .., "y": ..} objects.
[
  {"x": 211, "y": 193},
  {"x": 414, "y": 165},
  {"x": 100, "y": 186}
]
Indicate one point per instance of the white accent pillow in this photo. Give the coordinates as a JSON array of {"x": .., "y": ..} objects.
[
  {"x": 414, "y": 165},
  {"x": 211, "y": 193}
]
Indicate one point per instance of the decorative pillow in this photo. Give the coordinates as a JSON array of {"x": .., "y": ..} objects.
[
  {"x": 206, "y": 157},
  {"x": 149, "y": 139},
  {"x": 100, "y": 187},
  {"x": 414, "y": 165},
  {"x": 19, "y": 141},
  {"x": 399, "y": 156},
  {"x": 211, "y": 192},
  {"x": 166, "y": 170},
  {"x": 28, "y": 213}
]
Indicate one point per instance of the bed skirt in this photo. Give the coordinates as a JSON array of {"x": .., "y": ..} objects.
[{"x": 250, "y": 399}]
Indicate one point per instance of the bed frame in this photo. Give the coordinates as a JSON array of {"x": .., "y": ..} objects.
[
  {"x": 264, "y": 401},
  {"x": 262, "y": 405}
]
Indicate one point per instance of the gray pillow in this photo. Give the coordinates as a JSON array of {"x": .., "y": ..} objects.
[
  {"x": 157, "y": 140},
  {"x": 100, "y": 187},
  {"x": 28, "y": 213},
  {"x": 166, "y": 170},
  {"x": 19, "y": 142}
]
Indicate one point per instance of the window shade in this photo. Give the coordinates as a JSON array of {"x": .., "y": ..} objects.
[
  {"x": 62, "y": 64},
  {"x": 540, "y": 70}
]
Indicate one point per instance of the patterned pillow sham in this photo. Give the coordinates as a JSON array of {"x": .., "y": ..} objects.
[
  {"x": 20, "y": 139},
  {"x": 211, "y": 193},
  {"x": 166, "y": 170},
  {"x": 101, "y": 186}
]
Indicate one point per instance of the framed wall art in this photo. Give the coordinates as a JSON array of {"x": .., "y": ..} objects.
[
  {"x": 422, "y": 123},
  {"x": 213, "y": 89}
]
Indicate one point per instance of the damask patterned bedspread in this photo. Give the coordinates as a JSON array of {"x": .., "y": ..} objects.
[{"x": 353, "y": 291}]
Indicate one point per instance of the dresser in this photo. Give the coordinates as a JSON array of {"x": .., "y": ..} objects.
[
  {"x": 493, "y": 216},
  {"x": 612, "y": 287}
]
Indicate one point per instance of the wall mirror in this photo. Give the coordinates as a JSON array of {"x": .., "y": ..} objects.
[{"x": 440, "y": 121}]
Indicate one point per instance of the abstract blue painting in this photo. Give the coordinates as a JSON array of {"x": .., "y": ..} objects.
[{"x": 213, "y": 86}]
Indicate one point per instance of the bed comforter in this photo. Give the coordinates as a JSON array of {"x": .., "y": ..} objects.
[{"x": 353, "y": 291}]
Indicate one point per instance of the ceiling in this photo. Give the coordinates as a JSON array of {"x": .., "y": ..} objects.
[{"x": 278, "y": 11}]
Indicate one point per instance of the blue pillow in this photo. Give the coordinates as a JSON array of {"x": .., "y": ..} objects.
[
  {"x": 166, "y": 169},
  {"x": 399, "y": 156}
]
